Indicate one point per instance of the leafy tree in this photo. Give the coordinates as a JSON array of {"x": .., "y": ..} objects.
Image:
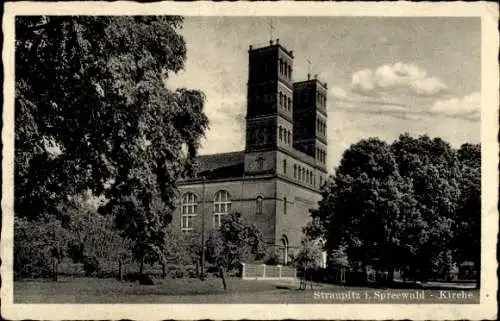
[
  {"x": 309, "y": 255},
  {"x": 236, "y": 241},
  {"x": 401, "y": 205},
  {"x": 468, "y": 220},
  {"x": 93, "y": 112},
  {"x": 39, "y": 246},
  {"x": 94, "y": 237},
  {"x": 434, "y": 169}
]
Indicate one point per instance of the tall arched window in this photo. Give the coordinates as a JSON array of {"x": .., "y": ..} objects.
[
  {"x": 284, "y": 250},
  {"x": 281, "y": 99},
  {"x": 258, "y": 205},
  {"x": 189, "y": 210},
  {"x": 284, "y": 166},
  {"x": 280, "y": 133},
  {"x": 222, "y": 206},
  {"x": 289, "y": 138},
  {"x": 285, "y": 206},
  {"x": 289, "y": 103},
  {"x": 303, "y": 174},
  {"x": 295, "y": 170}
]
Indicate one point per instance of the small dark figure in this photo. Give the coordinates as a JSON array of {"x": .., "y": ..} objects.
[{"x": 306, "y": 275}]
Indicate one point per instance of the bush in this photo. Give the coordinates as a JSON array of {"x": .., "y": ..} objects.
[
  {"x": 37, "y": 244},
  {"x": 90, "y": 266}
]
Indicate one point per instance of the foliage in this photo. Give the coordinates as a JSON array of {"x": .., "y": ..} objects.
[
  {"x": 37, "y": 245},
  {"x": 236, "y": 241},
  {"x": 408, "y": 205},
  {"x": 93, "y": 112},
  {"x": 309, "y": 256}
]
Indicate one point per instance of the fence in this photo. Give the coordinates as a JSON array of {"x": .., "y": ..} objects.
[{"x": 263, "y": 271}]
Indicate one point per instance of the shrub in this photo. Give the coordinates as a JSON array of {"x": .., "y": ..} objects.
[{"x": 90, "y": 266}]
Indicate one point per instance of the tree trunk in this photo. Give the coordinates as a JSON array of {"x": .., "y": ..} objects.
[
  {"x": 390, "y": 276},
  {"x": 163, "y": 270},
  {"x": 223, "y": 277},
  {"x": 120, "y": 270},
  {"x": 54, "y": 269},
  {"x": 141, "y": 268}
]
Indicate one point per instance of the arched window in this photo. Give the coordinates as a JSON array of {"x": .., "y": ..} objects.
[
  {"x": 289, "y": 72},
  {"x": 289, "y": 138},
  {"x": 280, "y": 133},
  {"x": 222, "y": 206},
  {"x": 281, "y": 99},
  {"x": 285, "y": 205},
  {"x": 284, "y": 166},
  {"x": 295, "y": 170},
  {"x": 189, "y": 210},
  {"x": 303, "y": 173},
  {"x": 258, "y": 205},
  {"x": 285, "y": 67},
  {"x": 289, "y": 103},
  {"x": 300, "y": 172}
]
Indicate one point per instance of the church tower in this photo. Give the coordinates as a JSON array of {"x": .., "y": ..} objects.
[
  {"x": 310, "y": 119},
  {"x": 269, "y": 119}
]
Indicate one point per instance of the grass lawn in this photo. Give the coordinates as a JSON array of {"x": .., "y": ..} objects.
[{"x": 93, "y": 290}]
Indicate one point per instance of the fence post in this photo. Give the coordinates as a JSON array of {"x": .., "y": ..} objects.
[
  {"x": 280, "y": 271},
  {"x": 242, "y": 270},
  {"x": 263, "y": 270}
]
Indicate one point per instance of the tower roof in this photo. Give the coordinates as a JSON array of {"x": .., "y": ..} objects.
[{"x": 270, "y": 46}]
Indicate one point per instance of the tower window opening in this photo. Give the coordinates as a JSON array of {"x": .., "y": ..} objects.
[
  {"x": 280, "y": 134},
  {"x": 285, "y": 209},
  {"x": 284, "y": 166},
  {"x": 295, "y": 170}
]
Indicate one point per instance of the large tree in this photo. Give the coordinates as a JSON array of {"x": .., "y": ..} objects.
[
  {"x": 407, "y": 205},
  {"x": 93, "y": 112}
]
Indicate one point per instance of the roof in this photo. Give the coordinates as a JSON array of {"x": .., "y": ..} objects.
[{"x": 223, "y": 165}]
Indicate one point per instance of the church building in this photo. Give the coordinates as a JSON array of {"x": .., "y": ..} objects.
[{"x": 276, "y": 180}]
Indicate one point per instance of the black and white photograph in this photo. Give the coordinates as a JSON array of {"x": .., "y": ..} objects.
[{"x": 252, "y": 161}]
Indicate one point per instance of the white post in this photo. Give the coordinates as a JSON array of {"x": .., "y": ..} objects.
[
  {"x": 263, "y": 270},
  {"x": 242, "y": 270},
  {"x": 280, "y": 275}
]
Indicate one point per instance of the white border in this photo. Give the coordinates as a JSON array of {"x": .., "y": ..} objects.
[{"x": 490, "y": 98}]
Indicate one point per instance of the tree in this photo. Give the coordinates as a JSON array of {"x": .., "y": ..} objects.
[
  {"x": 39, "y": 246},
  {"x": 467, "y": 243},
  {"x": 235, "y": 241},
  {"x": 93, "y": 112},
  {"x": 398, "y": 206},
  {"x": 95, "y": 237}
]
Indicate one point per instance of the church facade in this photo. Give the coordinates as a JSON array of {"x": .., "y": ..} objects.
[{"x": 276, "y": 180}]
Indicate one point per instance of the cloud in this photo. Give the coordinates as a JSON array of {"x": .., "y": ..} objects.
[
  {"x": 467, "y": 107},
  {"x": 405, "y": 78},
  {"x": 342, "y": 99}
]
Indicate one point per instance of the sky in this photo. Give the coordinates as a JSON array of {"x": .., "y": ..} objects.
[{"x": 385, "y": 75}]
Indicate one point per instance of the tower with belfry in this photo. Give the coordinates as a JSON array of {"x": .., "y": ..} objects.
[{"x": 275, "y": 181}]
